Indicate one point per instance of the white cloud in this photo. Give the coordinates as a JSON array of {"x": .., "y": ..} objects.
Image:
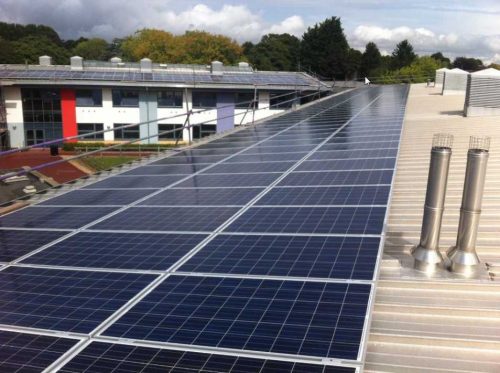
[{"x": 293, "y": 25}]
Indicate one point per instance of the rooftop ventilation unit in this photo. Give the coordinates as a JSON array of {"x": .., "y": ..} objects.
[
  {"x": 455, "y": 82},
  {"x": 440, "y": 76},
  {"x": 45, "y": 60},
  {"x": 146, "y": 65},
  {"x": 217, "y": 68},
  {"x": 76, "y": 63},
  {"x": 115, "y": 61},
  {"x": 483, "y": 93}
]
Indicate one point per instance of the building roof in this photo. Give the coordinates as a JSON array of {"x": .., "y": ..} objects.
[
  {"x": 456, "y": 70},
  {"x": 159, "y": 75},
  {"x": 490, "y": 72}
]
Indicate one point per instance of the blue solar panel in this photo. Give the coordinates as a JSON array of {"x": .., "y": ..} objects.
[
  {"x": 54, "y": 217},
  {"x": 189, "y": 159},
  {"x": 292, "y": 317},
  {"x": 296, "y": 256},
  {"x": 250, "y": 167},
  {"x": 326, "y": 195},
  {"x": 267, "y": 157},
  {"x": 348, "y": 164},
  {"x": 375, "y": 153},
  {"x": 118, "y": 250},
  {"x": 179, "y": 169},
  {"x": 16, "y": 243},
  {"x": 207, "y": 197},
  {"x": 98, "y": 197},
  {"x": 338, "y": 178},
  {"x": 360, "y": 146},
  {"x": 325, "y": 220},
  {"x": 106, "y": 357},
  {"x": 30, "y": 353},
  {"x": 130, "y": 182},
  {"x": 230, "y": 180},
  {"x": 181, "y": 219},
  {"x": 70, "y": 301}
]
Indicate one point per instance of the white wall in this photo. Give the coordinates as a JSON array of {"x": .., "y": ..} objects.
[{"x": 14, "y": 110}]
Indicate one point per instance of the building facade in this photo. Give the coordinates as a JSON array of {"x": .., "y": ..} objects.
[{"x": 44, "y": 102}]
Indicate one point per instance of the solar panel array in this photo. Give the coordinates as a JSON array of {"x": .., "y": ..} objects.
[
  {"x": 255, "y": 78},
  {"x": 260, "y": 257}
]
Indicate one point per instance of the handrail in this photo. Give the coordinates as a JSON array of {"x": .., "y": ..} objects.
[
  {"x": 191, "y": 111},
  {"x": 107, "y": 148}
]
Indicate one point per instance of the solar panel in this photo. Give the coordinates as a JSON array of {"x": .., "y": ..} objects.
[
  {"x": 54, "y": 217},
  {"x": 70, "y": 301},
  {"x": 29, "y": 353},
  {"x": 181, "y": 219},
  {"x": 227, "y": 262},
  {"x": 17, "y": 243},
  {"x": 84, "y": 197},
  {"x": 203, "y": 197},
  {"x": 295, "y": 256},
  {"x": 118, "y": 250},
  {"x": 325, "y": 220},
  {"x": 291, "y": 317},
  {"x": 106, "y": 357}
]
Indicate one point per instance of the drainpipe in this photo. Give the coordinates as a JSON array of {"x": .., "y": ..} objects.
[
  {"x": 426, "y": 254},
  {"x": 463, "y": 256}
]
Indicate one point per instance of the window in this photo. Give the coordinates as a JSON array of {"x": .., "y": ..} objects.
[
  {"x": 41, "y": 105},
  {"x": 88, "y": 97},
  {"x": 170, "y": 99},
  {"x": 204, "y": 100},
  {"x": 204, "y": 130},
  {"x": 243, "y": 100},
  {"x": 85, "y": 128},
  {"x": 281, "y": 100},
  {"x": 130, "y": 133},
  {"x": 125, "y": 98},
  {"x": 171, "y": 135}
]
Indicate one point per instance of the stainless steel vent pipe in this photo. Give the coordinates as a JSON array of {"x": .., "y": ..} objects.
[
  {"x": 426, "y": 254},
  {"x": 463, "y": 257}
]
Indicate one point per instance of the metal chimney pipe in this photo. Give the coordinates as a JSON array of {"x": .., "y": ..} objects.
[
  {"x": 463, "y": 256},
  {"x": 426, "y": 254}
]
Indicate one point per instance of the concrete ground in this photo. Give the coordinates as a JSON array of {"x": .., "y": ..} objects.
[{"x": 443, "y": 323}]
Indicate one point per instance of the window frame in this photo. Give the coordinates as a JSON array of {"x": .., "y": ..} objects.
[
  {"x": 204, "y": 106},
  {"x": 118, "y": 91},
  {"x": 123, "y": 131},
  {"x": 92, "y": 97},
  {"x": 95, "y": 128},
  {"x": 175, "y": 93}
]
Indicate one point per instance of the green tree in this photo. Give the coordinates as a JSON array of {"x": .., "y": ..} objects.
[
  {"x": 28, "y": 50},
  {"x": 468, "y": 64},
  {"x": 278, "y": 52},
  {"x": 403, "y": 55},
  {"x": 93, "y": 49},
  {"x": 158, "y": 45},
  {"x": 420, "y": 70},
  {"x": 325, "y": 49},
  {"x": 439, "y": 57},
  {"x": 201, "y": 47},
  {"x": 14, "y": 32},
  {"x": 370, "y": 60},
  {"x": 352, "y": 64}
]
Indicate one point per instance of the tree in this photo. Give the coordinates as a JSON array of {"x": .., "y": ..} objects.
[
  {"x": 352, "y": 64},
  {"x": 28, "y": 50},
  {"x": 274, "y": 52},
  {"x": 158, "y": 45},
  {"x": 468, "y": 64},
  {"x": 439, "y": 57},
  {"x": 371, "y": 59},
  {"x": 14, "y": 32},
  {"x": 93, "y": 49},
  {"x": 403, "y": 55},
  {"x": 325, "y": 49},
  {"x": 201, "y": 47},
  {"x": 420, "y": 70}
]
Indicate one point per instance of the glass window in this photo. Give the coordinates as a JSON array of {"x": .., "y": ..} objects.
[
  {"x": 170, "y": 135},
  {"x": 85, "y": 128},
  {"x": 204, "y": 130},
  {"x": 204, "y": 99},
  {"x": 130, "y": 133},
  {"x": 170, "y": 99},
  {"x": 41, "y": 105},
  {"x": 281, "y": 100},
  {"x": 88, "y": 97},
  {"x": 125, "y": 98},
  {"x": 243, "y": 100}
]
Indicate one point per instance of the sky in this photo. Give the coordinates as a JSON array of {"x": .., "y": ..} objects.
[{"x": 456, "y": 28}]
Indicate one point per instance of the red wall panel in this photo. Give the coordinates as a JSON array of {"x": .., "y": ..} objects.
[{"x": 68, "y": 108}]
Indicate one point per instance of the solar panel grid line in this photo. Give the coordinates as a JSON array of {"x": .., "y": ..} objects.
[
  {"x": 371, "y": 301},
  {"x": 70, "y": 234},
  {"x": 67, "y": 356},
  {"x": 88, "y": 269}
]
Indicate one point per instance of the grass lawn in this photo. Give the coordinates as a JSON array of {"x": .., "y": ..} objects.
[{"x": 106, "y": 162}]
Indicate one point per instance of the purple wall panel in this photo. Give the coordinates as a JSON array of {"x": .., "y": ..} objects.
[{"x": 225, "y": 111}]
